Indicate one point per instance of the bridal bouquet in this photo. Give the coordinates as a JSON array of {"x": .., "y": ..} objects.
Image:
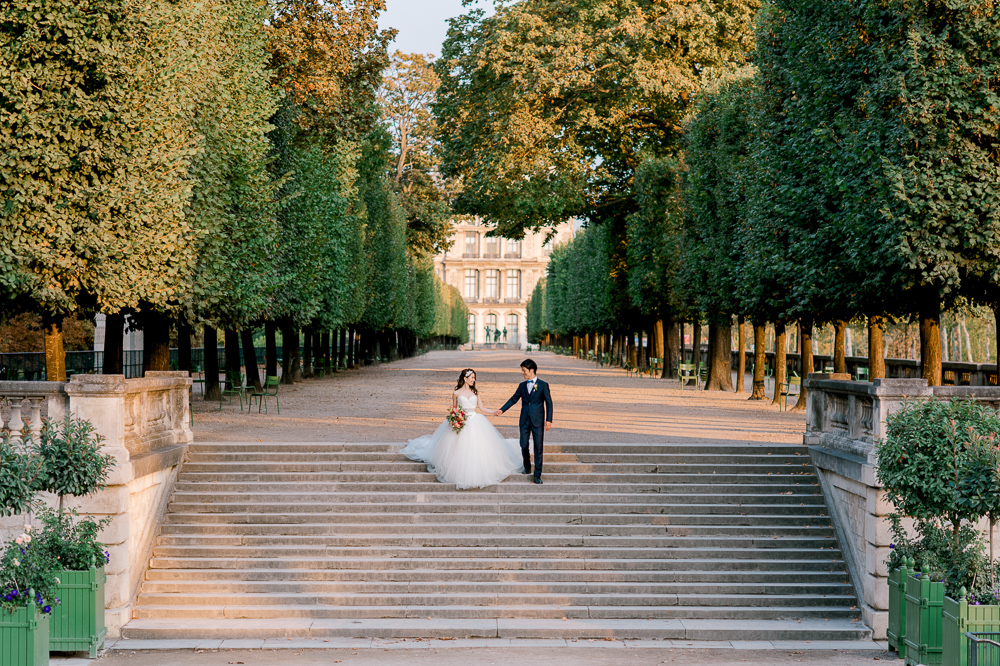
[{"x": 457, "y": 418}]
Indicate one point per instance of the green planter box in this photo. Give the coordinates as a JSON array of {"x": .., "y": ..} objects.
[
  {"x": 959, "y": 617},
  {"x": 24, "y": 637},
  {"x": 897, "y": 610},
  {"x": 923, "y": 637},
  {"x": 77, "y": 621}
]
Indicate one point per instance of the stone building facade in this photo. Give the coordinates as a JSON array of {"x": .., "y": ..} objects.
[{"x": 496, "y": 276}]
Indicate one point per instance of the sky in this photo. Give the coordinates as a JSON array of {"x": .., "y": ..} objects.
[{"x": 422, "y": 24}]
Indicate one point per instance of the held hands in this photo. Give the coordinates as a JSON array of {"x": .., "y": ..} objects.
[{"x": 498, "y": 413}]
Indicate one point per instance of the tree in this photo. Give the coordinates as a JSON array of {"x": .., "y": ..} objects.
[
  {"x": 405, "y": 98},
  {"x": 546, "y": 108}
]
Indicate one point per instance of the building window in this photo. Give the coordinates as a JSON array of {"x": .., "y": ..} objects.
[
  {"x": 514, "y": 285},
  {"x": 471, "y": 283},
  {"x": 492, "y": 247},
  {"x": 513, "y": 248},
  {"x": 491, "y": 322},
  {"x": 512, "y": 329},
  {"x": 471, "y": 244},
  {"x": 492, "y": 284},
  {"x": 472, "y": 327}
]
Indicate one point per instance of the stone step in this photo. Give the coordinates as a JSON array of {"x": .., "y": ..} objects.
[
  {"x": 533, "y": 501},
  {"x": 755, "y": 624},
  {"x": 435, "y": 510},
  {"x": 235, "y": 534},
  {"x": 367, "y": 448},
  {"x": 288, "y": 576},
  {"x": 187, "y": 484},
  {"x": 511, "y": 534},
  {"x": 826, "y": 561},
  {"x": 224, "y": 523},
  {"x": 278, "y": 553},
  {"x": 458, "y": 609},
  {"x": 338, "y": 539},
  {"x": 483, "y": 588}
]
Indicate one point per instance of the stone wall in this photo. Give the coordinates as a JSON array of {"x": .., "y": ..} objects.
[
  {"x": 844, "y": 421},
  {"x": 146, "y": 426}
]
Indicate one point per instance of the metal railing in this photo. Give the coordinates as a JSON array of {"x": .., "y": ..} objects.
[{"x": 984, "y": 649}]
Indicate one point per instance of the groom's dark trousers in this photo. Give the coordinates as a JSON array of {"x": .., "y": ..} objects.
[{"x": 536, "y": 410}]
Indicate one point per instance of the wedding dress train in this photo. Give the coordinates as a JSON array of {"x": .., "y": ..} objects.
[{"x": 475, "y": 457}]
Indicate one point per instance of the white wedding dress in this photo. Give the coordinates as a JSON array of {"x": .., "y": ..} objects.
[{"x": 475, "y": 457}]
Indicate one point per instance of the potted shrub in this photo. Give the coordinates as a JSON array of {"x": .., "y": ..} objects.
[
  {"x": 976, "y": 609},
  {"x": 921, "y": 464},
  {"x": 73, "y": 465},
  {"x": 27, "y": 596}
]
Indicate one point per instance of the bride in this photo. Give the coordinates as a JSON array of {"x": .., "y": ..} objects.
[{"x": 477, "y": 455}]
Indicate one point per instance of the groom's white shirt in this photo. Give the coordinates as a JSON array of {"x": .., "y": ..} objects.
[{"x": 531, "y": 385}]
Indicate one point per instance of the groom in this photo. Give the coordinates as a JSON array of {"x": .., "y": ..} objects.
[{"x": 536, "y": 410}]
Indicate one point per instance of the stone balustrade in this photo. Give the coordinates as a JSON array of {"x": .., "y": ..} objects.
[
  {"x": 26, "y": 401},
  {"x": 146, "y": 428},
  {"x": 844, "y": 422}
]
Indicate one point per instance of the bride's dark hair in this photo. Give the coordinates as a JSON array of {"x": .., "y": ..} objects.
[{"x": 461, "y": 380}]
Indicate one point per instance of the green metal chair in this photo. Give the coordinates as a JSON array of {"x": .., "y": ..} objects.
[
  {"x": 269, "y": 390},
  {"x": 686, "y": 372},
  {"x": 784, "y": 390},
  {"x": 861, "y": 375},
  {"x": 655, "y": 367},
  {"x": 234, "y": 387}
]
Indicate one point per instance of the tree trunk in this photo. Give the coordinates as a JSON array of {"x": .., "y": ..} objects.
[
  {"x": 290, "y": 370},
  {"x": 317, "y": 349},
  {"x": 233, "y": 365},
  {"x": 55, "y": 352},
  {"x": 780, "y": 360},
  {"x": 250, "y": 359},
  {"x": 350, "y": 347},
  {"x": 720, "y": 357},
  {"x": 806, "y": 345},
  {"x": 631, "y": 350},
  {"x": 696, "y": 345},
  {"x": 114, "y": 340},
  {"x": 342, "y": 349},
  {"x": 661, "y": 344},
  {"x": 270, "y": 350},
  {"x": 184, "y": 347},
  {"x": 671, "y": 347},
  {"x": 212, "y": 391},
  {"x": 758, "y": 362},
  {"x": 876, "y": 347},
  {"x": 839, "y": 347},
  {"x": 930, "y": 338},
  {"x": 324, "y": 343},
  {"x": 307, "y": 351},
  {"x": 155, "y": 342},
  {"x": 741, "y": 361}
]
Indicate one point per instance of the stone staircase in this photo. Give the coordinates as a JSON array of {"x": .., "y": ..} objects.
[{"x": 670, "y": 541}]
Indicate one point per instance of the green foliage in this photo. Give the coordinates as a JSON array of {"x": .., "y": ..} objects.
[
  {"x": 714, "y": 203},
  {"x": 579, "y": 284},
  {"x": 979, "y": 481},
  {"x": 72, "y": 462},
  {"x": 958, "y": 561},
  {"x": 234, "y": 198},
  {"x": 536, "y": 322},
  {"x": 654, "y": 236},
  {"x": 71, "y": 541},
  {"x": 96, "y": 99},
  {"x": 19, "y": 469},
  {"x": 925, "y": 451},
  {"x": 546, "y": 108},
  {"x": 27, "y": 568}
]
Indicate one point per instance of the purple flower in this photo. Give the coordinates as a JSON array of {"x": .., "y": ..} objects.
[
  {"x": 892, "y": 545},
  {"x": 47, "y": 609}
]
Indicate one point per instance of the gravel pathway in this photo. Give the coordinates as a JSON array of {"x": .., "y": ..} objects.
[{"x": 397, "y": 401}]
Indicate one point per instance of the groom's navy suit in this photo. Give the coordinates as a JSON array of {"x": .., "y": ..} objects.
[{"x": 536, "y": 410}]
